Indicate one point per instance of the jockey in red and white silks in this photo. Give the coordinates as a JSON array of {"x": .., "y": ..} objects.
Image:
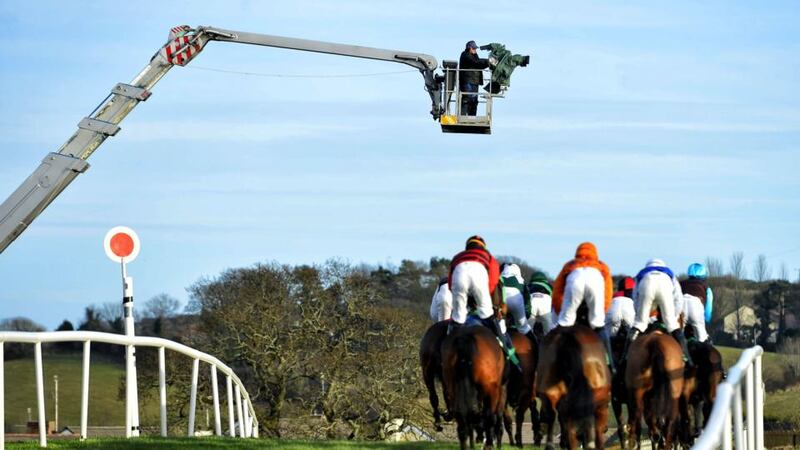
[
  {"x": 621, "y": 311},
  {"x": 442, "y": 302},
  {"x": 473, "y": 272},
  {"x": 657, "y": 284}
]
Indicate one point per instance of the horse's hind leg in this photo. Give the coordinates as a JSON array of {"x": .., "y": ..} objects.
[
  {"x": 508, "y": 423},
  {"x": 548, "y": 418},
  {"x": 520, "y": 418},
  {"x": 616, "y": 404},
  {"x": 600, "y": 423},
  {"x": 430, "y": 383},
  {"x": 464, "y": 432},
  {"x": 635, "y": 408}
]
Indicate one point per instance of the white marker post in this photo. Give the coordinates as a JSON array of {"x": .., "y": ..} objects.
[{"x": 122, "y": 246}]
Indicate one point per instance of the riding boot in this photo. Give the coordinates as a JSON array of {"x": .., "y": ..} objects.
[
  {"x": 601, "y": 332},
  {"x": 632, "y": 335},
  {"x": 493, "y": 324},
  {"x": 678, "y": 335},
  {"x": 532, "y": 337}
]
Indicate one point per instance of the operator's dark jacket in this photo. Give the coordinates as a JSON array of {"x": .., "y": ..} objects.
[{"x": 470, "y": 61}]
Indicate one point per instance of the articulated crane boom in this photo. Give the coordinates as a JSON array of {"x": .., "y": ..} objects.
[{"x": 58, "y": 169}]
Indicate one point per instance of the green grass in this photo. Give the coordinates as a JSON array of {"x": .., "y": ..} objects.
[
  {"x": 775, "y": 367},
  {"x": 104, "y": 407},
  {"x": 782, "y": 406},
  {"x": 223, "y": 443}
]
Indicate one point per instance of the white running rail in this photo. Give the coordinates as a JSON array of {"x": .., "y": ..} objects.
[
  {"x": 726, "y": 426},
  {"x": 246, "y": 418}
]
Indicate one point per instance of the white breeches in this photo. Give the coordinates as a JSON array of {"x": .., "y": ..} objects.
[
  {"x": 621, "y": 311},
  {"x": 694, "y": 314},
  {"x": 442, "y": 304},
  {"x": 515, "y": 302},
  {"x": 584, "y": 284},
  {"x": 542, "y": 311},
  {"x": 656, "y": 287},
  {"x": 470, "y": 278}
]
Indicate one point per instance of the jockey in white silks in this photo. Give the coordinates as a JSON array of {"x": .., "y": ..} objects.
[
  {"x": 621, "y": 311},
  {"x": 698, "y": 300},
  {"x": 541, "y": 305},
  {"x": 657, "y": 284},
  {"x": 517, "y": 298},
  {"x": 442, "y": 302}
]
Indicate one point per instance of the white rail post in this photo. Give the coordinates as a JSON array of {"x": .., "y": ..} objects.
[
  {"x": 759, "y": 405},
  {"x": 85, "y": 389},
  {"x": 239, "y": 415},
  {"x": 129, "y": 391},
  {"x": 231, "y": 420},
  {"x": 751, "y": 408},
  {"x": 246, "y": 411},
  {"x": 193, "y": 395},
  {"x": 738, "y": 427},
  {"x": 2, "y": 397},
  {"x": 726, "y": 432},
  {"x": 37, "y": 350},
  {"x": 215, "y": 394},
  {"x": 162, "y": 390}
]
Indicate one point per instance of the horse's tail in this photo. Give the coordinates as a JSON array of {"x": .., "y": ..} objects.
[
  {"x": 662, "y": 382},
  {"x": 579, "y": 399},
  {"x": 463, "y": 383}
]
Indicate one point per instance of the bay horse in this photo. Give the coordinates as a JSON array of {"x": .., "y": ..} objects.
[
  {"x": 521, "y": 391},
  {"x": 700, "y": 388},
  {"x": 430, "y": 358},
  {"x": 573, "y": 379},
  {"x": 654, "y": 377},
  {"x": 475, "y": 371}
]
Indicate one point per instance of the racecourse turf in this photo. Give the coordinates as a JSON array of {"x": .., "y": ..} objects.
[{"x": 227, "y": 443}]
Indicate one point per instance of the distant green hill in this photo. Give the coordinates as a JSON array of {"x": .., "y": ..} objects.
[{"x": 104, "y": 407}]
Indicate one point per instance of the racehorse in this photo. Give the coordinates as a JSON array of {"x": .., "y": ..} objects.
[
  {"x": 474, "y": 373},
  {"x": 521, "y": 389},
  {"x": 430, "y": 357},
  {"x": 654, "y": 377},
  {"x": 573, "y": 379},
  {"x": 619, "y": 391},
  {"x": 700, "y": 388}
]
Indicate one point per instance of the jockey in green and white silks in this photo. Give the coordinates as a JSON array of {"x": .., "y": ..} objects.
[
  {"x": 517, "y": 298},
  {"x": 541, "y": 303}
]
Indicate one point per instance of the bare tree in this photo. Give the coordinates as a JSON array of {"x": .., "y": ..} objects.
[
  {"x": 761, "y": 270},
  {"x": 737, "y": 272},
  {"x": 737, "y": 265},
  {"x": 714, "y": 266},
  {"x": 783, "y": 273},
  {"x": 162, "y": 305}
]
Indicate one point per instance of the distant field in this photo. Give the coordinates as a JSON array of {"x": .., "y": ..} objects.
[
  {"x": 104, "y": 407},
  {"x": 223, "y": 443}
]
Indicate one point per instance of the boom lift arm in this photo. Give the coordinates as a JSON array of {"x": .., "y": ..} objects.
[{"x": 58, "y": 169}]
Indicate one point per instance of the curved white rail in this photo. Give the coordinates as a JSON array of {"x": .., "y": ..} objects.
[
  {"x": 728, "y": 408},
  {"x": 246, "y": 417}
]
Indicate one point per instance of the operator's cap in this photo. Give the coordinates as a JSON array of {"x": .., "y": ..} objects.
[{"x": 472, "y": 44}]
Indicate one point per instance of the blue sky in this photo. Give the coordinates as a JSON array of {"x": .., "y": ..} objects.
[{"x": 662, "y": 130}]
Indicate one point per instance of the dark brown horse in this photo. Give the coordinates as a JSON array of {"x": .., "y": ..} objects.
[
  {"x": 654, "y": 376},
  {"x": 521, "y": 388},
  {"x": 430, "y": 357},
  {"x": 474, "y": 373},
  {"x": 619, "y": 391},
  {"x": 572, "y": 378},
  {"x": 700, "y": 389}
]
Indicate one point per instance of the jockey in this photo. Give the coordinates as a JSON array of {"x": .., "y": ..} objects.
[
  {"x": 585, "y": 278},
  {"x": 517, "y": 298},
  {"x": 621, "y": 310},
  {"x": 474, "y": 272},
  {"x": 657, "y": 283},
  {"x": 442, "y": 302},
  {"x": 541, "y": 304},
  {"x": 698, "y": 300}
]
